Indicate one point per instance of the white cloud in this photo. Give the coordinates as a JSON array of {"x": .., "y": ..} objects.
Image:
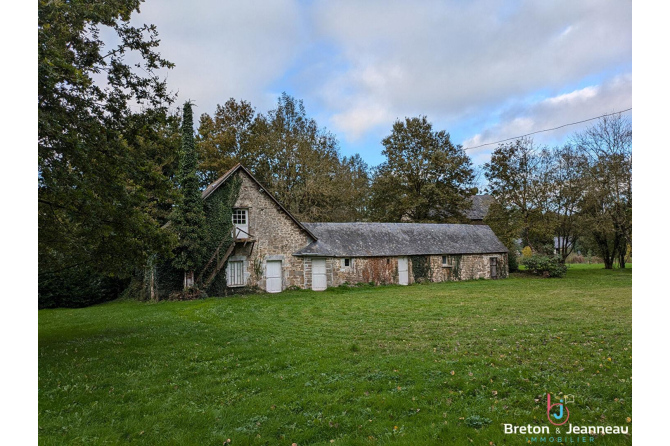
[
  {"x": 451, "y": 60},
  {"x": 361, "y": 118},
  {"x": 585, "y": 103},
  {"x": 226, "y": 49},
  {"x": 361, "y": 65}
]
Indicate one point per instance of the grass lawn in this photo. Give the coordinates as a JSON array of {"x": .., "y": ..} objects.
[{"x": 444, "y": 363}]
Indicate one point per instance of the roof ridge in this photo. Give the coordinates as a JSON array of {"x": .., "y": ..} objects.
[{"x": 209, "y": 190}]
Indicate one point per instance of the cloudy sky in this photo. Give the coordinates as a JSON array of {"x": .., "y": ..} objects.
[{"x": 483, "y": 70}]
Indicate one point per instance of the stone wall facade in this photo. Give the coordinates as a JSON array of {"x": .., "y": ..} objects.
[
  {"x": 377, "y": 270},
  {"x": 276, "y": 236},
  {"x": 384, "y": 270},
  {"x": 467, "y": 267}
]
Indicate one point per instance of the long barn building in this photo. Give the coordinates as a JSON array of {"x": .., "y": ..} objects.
[{"x": 274, "y": 251}]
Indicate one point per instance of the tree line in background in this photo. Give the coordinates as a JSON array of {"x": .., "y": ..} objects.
[
  {"x": 562, "y": 198},
  {"x": 425, "y": 177},
  {"x": 115, "y": 165},
  {"x": 286, "y": 150}
]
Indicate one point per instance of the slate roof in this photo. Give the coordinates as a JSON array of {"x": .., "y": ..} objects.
[
  {"x": 480, "y": 207},
  {"x": 399, "y": 239}
]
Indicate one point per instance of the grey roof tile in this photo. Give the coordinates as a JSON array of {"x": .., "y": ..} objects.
[
  {"x": 480, "y": 207},
  {"x": 399, "y": 239}
]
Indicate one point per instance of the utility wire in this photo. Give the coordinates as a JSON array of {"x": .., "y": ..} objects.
[{"x": 548, "y": 130}]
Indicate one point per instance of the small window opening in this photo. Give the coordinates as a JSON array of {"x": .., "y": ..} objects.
[
  {"x": 239, "y": 216},
  {"x": 445, "y": 262},
  {"x": 346, "y": 263}
]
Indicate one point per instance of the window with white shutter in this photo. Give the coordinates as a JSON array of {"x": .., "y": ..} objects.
[{"x": 235, "y": 273}]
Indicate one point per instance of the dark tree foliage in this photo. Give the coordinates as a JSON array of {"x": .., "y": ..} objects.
[
  {"x": 353, "y": 183},
  {"x": 505, "y": 224},
  {"x": 580, "y": 193},
  {"x": 286, "y": 150},
  {"x": 297, "y": 160},
  {"x": 519, "y": 180},
  {"x": 425, "y": 178},
  {"x": 78, "y": 287},
  {"x": 188, "y": 217},
  {"x": 225, "y": 140},
  {"x": 101, "y": 168},
  {"x": 568, "y": 185}
]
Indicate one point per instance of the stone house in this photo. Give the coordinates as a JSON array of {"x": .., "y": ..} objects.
[{"x": 274, "y": 251}]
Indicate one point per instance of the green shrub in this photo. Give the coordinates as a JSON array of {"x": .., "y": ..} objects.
[
  {"x": 77, "y": 287},
  {"x": 575, "y": 258},
  {"x": 545, "y": 266}
]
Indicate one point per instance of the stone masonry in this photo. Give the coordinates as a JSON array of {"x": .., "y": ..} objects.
[{"x": 277, "y": 237}]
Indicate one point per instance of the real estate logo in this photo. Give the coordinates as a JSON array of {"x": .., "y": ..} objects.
[
  {"x": 560, "y": 418},
  {"x": 558, "y": 415}
]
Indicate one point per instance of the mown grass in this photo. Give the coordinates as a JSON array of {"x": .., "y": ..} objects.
[{"x": 424, "y": 364}]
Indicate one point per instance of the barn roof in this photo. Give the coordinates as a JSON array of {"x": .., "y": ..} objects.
[
  {"x": 480, "y": 206},
  {"x": 399, "y": 239}
]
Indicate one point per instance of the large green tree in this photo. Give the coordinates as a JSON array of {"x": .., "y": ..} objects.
[
  {"x": 425, "y": 178},
  {"x": 607, "y": 205},
  {"x": 298, "y": 161},
  {"x": 567, "y": 184},
  {"x": 225, "y": 139},
  {"x": 519, "y": 179},
  {"x": 353, "y": 184},
  {"x": 100, "y": 171}
]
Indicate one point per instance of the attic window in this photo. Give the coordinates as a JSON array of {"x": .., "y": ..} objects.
[
  {"x": 445, "y": 262},
  {"x": 239, "y": 216}
]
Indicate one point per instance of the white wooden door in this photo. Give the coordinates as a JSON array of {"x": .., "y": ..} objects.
[
  {"x": 319, "y": 282},
  {"x": 273, "y": 276},
  {"x": 403, "y": 271},
  {"x": 241, "y": 223}
]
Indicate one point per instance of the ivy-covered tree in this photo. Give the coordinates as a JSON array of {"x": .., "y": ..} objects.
[
  {"x": 425, "y": 177},
  {"x": 188, "y": 217}
]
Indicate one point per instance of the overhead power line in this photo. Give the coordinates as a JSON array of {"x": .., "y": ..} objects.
[{"x": 547, "y": 130}]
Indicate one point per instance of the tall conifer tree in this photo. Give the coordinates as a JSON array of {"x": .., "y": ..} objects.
[{"x": 188, "y": 218}]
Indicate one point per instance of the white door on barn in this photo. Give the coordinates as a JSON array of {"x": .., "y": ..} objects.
[
  {"x": 319, "y": 282},
  {"x": 273, "y": 276},
  {"x": 403, "y": 271}
]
